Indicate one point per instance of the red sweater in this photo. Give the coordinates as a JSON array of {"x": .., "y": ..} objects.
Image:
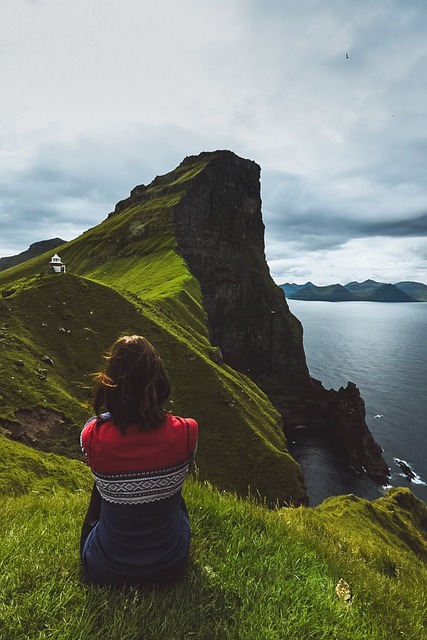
[
  {"x": 143, "y": 528},
  {"x": 139, "y": 466}
]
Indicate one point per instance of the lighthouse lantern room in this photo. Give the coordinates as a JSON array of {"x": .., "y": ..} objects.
[{"x": 56, "y": 265}]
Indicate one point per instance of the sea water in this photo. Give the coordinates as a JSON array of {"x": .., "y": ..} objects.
[{"x": 382, "y": 348}]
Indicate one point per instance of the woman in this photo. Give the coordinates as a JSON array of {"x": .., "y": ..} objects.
[{"x": 136, "y": 530}]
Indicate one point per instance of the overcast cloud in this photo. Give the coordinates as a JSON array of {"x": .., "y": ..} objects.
[{"x": 99, "y": 96}]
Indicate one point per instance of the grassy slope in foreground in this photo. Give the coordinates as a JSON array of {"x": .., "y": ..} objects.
[
  {"x": 255, "y": 574},
  {"x": 125, "y": 276}
]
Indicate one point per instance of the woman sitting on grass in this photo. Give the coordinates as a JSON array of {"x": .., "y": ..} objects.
[{"x": 136, "y": 530}]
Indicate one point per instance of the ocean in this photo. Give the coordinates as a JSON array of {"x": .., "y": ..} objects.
[{"x": 382, "y": 348}]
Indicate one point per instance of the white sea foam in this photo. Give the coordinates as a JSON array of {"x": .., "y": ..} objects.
[{"x": 413, "y": 476}]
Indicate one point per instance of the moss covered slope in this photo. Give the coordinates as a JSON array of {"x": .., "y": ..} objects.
[{"x": 125, "y": 276}]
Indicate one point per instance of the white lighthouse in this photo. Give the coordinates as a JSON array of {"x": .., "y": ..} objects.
[{"x": 56, "y": 265}]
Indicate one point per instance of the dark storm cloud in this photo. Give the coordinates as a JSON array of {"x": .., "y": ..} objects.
[
  {"x": 414, "y": 227},
  {"x": 297, "y": 210},
  {"x": 318, "y": 230}
]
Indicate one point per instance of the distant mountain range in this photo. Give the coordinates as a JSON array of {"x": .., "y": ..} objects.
[
  {"x": 369, "y": 290},
  {"x": 34, "y": 250}
]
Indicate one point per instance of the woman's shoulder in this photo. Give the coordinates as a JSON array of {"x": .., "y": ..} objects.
[
  {"x": 188, "y": 427},
  {"x": 96, "y": 420},
  {"x": 90, "y": 427},
  {"x": 178, "y": 421}
]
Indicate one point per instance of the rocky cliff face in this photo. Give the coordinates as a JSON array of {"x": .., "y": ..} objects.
[
  {"x": 220, "y": 234},
  {"x": 219, "y": 231}
]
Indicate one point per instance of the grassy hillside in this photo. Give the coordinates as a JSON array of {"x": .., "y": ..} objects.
[
  {"x": 73, "y": 321},
  {"x": 255, "y": 574},
  {"x": 24, "y": 470},
  {"x": 125, "y": 276}
]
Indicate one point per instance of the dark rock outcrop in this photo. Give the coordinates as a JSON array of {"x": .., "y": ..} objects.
[
  {"x": 346, "y": 411},
  {"x": 34, "y": 250},
  {"x": 220, "y": 234},
  {"x": 43, "y": 429}
]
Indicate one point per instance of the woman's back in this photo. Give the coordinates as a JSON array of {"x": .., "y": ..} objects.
[{"x": 143, "y": 527}]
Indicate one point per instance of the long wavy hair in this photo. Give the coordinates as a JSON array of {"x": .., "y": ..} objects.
[{"x": 134, "y": 385}]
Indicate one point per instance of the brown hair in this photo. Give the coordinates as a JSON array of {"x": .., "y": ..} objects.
[{"x": 134, "y": 385}]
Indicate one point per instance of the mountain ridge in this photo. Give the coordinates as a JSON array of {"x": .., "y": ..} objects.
[
  {"x": 368, "y": 291},
  {"x": 35, "y": 249}
]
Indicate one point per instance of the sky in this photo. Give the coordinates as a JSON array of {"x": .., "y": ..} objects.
[{"x": 329, "y": 97}]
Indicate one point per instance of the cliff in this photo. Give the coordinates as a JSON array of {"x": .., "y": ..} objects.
[
  {"x": 182, "y": 262},
  {"x": 348, "y": 568},
  {"x": 220, "y": 233},
  {"x": 125, "y": 276}
]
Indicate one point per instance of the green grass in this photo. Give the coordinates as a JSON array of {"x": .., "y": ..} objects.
[
  {"x": 73, "y": 320},
  {"x": 24, "y": 470},
  {"x": 255, "y": 574}
]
